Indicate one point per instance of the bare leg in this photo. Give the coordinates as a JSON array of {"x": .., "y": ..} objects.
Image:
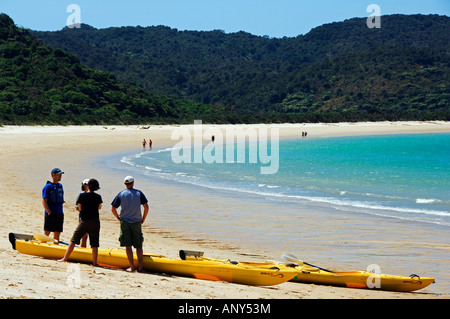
[
  {"x": 68, "y": 252},
  {"x": 129, "y": 251},
  {"x": 140, "y": 256},
  {"x": 56, "y": 235},
  {"x": 84, "y": 241},
  {"x": 94, "y": 255}
]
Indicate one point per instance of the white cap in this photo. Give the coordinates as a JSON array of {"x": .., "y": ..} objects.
[
  {"x": 86, "y": 181},
  {"x": 128, "y": 180}
]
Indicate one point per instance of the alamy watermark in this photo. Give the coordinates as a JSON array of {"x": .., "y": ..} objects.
[
  {"x": 73, "y": 20},
  {"x": 74, "y": 277},
  {"x": 232, "y": 144},
  {"x": 374, "y": 279},
  {"x": 374, "y": 20}
]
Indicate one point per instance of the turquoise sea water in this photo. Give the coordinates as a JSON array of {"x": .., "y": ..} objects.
[
  {"x": 339, "y": 202},
  {"x": 397, "y": 176}
]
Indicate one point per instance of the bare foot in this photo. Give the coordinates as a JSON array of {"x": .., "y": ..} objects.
[{"x": 131, "y": 269}]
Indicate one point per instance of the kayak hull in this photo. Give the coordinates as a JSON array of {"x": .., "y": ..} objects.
[
  {"x": 362, "y": 279},
  {"x": 354, "y": 279},
  {"x": 195, "y": 268}
]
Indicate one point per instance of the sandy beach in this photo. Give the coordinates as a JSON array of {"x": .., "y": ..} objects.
[{"x": 29, "y": 153}]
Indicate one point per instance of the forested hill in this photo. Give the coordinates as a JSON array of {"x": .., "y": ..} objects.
[
  {"x": 39, "y": 85},
  {"x": 338, "y": 71},
  {"x": 341, "y": 71}
]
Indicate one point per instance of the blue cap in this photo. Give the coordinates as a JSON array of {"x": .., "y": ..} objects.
[{"x": 57, "y": 171}]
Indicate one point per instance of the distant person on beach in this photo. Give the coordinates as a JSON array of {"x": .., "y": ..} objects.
[
  {"x": 131, "y": 220},
  {"x": 144, "y": 143},
  {"x": 150, "y": 143},
  {"x": 52, "y": 200},
  {"x": 89, "y": 205},
  {"x": 84, "y": 189}
]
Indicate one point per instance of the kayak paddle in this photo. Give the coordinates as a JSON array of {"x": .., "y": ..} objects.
[
  {"x": 293, "y": 259},
  {"x": 47, "y": 239}
]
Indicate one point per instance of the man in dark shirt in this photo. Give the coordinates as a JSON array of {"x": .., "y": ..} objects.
[{"x": 89, "y": 205}]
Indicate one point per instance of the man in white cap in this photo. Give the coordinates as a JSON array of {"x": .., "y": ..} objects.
[{"x": 131, "y": 220}]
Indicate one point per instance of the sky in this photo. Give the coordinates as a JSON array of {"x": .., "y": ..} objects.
[{"x": 273, "y": 18}]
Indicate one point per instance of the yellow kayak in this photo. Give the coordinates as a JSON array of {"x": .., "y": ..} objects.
[
  {"x": 362, "y": 279},
  {"x": 195, "y": 267},
  {"x": 352, "y": 279}
]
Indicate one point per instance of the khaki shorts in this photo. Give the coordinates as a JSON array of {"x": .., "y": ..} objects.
[
  {"x": 91, "y": 227},
  {"x": 131, "y": 234}
]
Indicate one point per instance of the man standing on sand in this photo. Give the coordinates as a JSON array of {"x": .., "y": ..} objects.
[
  {"x": 52, "y": 200},
  {"x": 131, "y": 220}
]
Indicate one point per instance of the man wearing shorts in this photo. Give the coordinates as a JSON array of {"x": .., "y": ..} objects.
[
  {"x": 131, "y": 220},
  {"x": 52, "y": 200},
  {"x": 89, "y": 205}
]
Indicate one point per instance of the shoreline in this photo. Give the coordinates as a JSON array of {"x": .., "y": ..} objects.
[{"x": 29, "y": 153}]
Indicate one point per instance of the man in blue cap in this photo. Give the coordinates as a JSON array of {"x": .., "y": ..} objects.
[{"x": 52, "y": 200}]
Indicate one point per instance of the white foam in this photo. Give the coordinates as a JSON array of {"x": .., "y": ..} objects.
[{"x": 426, "y": 200}]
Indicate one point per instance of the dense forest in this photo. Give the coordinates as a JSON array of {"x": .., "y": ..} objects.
[
  {"x": 342, "y": 71},
  {"x": 338, "y": 71}
]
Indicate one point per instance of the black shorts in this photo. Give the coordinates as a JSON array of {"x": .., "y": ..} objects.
[
  {"x": 54, "y": 222},
  {"x": 91, "y": 227}
]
